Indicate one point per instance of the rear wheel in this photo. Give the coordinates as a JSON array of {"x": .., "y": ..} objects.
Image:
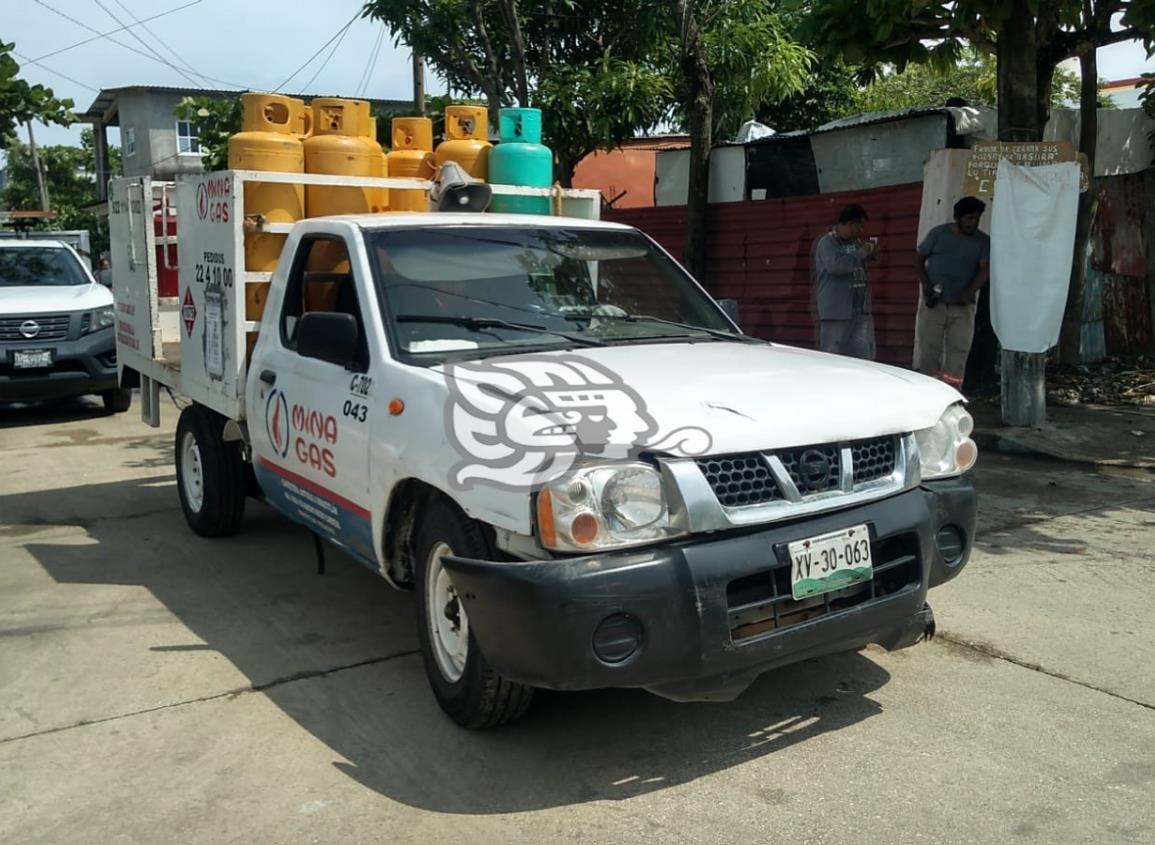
[
  {"x": 464, "y": 684},
  {"x": 210, "y": 473},
  {"x": 118, "y": 400}
]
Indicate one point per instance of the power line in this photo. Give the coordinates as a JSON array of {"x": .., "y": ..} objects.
[
  {"x": 372, "y": 63},
  {"x": 158, "y": 39},
  {"x": 308, "y": 61},
  {"x": 128, "y": 47},
  {"x": 112, "y": 32},
  {"x": 148, "y": 46},
  {"x": 56, "y": 72},
  {"x": 308, "y": 85}
]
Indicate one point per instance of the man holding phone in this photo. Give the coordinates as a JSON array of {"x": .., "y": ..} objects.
[{"x": 841, "y": 296}]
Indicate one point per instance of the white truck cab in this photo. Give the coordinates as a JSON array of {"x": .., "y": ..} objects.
[{"x": 544, "y": 427}]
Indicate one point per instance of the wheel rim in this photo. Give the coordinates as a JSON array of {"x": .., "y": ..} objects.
[
  {"x": 192, "y": 474},
  {"x": 445, "y": 617}
]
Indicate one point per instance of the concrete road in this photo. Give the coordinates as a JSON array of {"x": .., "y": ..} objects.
[{"x": 155, "y": 686}]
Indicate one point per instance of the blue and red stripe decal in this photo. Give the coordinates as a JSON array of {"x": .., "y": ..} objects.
[{"x": 318, "y": 508}]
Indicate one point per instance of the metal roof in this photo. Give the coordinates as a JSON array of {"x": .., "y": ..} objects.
[
  {"x": 855, "y": 122},
  {"x": 106, "y": 99}
]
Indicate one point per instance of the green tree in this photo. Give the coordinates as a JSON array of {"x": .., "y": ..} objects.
[
  {"x": 22, "y": 103},
  {"x": 730, "y": 56},
  {"x": 594, "y": 68},
  {"x": 216, "y": 119},
  {"x": 974, "y": 78},
  {"x": 830, "y": 92},
  {"x": 1029, "y": 38},
  {"x": 70, "y": 173}
]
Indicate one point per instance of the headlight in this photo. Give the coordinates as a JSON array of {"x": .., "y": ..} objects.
[
  {"x": 604, "y": 507},
  {"x": 101, "y": 318},
  {"x": 947, "y": 449}
]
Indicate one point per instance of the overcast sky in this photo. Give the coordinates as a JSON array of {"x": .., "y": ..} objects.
[{"x": 256, "y": 44}]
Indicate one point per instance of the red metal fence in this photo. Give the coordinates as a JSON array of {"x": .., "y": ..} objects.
[{"x": 760, "y": 256}]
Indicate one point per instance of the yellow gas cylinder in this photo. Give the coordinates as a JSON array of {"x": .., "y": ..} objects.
[
  {"x": 268, "y": 140},
  {"x": 337, "y": 147},
  {"x": 411, "y": 158},
  {"x": 380, "y": 196},
  {"x": 466, "y": 130}
]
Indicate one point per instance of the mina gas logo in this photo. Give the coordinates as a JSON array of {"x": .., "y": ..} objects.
[{"x": 277, "y": 422}]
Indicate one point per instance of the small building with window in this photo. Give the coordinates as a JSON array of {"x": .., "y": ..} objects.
[{"x": 153, "y": 142}]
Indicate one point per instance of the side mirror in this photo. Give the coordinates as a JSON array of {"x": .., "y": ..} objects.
[
  {"x": 730, "y": 306},
  {"x": 328, "y": 336}
]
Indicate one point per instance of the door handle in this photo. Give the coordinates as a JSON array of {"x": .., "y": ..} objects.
[{"x": 268, "y": 377}]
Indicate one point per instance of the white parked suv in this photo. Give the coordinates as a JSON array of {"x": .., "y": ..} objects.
[{"x": 56, "y": 327}]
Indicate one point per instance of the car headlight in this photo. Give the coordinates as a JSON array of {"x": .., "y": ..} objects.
[
  {"x": 604, "y": 507},
  {"x": 946, "y": 449},
  {"x": 101, "y": 318}
]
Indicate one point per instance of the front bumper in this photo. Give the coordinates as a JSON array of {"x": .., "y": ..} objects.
[
  {"x": 708, "y": 615},
  {"x": 86, "y": 365}
]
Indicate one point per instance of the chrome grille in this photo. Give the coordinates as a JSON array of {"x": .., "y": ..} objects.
[
  {"x": 52, "y": 327},
  {"x": 748, "y": 479}
]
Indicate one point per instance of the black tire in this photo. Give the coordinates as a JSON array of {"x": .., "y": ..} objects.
[
  {"x": 118, "y": 400},
  {"x": 221, "y": 471},
  {"x": 480, "y": 698}
]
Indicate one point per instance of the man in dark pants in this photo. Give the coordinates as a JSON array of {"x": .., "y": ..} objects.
[{"x": 842, "y": 298}]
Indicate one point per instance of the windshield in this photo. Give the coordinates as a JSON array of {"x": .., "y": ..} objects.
[
  {"x": 491, "y": 290},
  {"x": 39, "y": 267}
]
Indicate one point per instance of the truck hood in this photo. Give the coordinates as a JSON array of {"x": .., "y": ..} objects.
[
  {"x": 53, "y": 299},
  {"x": 746, "y": 397}
]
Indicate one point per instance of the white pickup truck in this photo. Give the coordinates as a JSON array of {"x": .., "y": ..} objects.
[
  {"x": 56, "y": 338},
  {"x": 545, "y": 428}
]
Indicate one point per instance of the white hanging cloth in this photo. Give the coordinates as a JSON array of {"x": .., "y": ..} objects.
[{"x": 1033, "y": 219}]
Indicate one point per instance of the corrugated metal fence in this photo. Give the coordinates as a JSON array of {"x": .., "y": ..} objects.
[{"x": 760, "y": 256}]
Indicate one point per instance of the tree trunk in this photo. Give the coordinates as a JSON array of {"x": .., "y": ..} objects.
[
  {"x": 517, "y": 44},
  {"x": 564, "y": 169},
  {"x": 1071, "y": 337},
  {"x": 699, "y": 85},
  {"x": 698, "y": 199},
  {"x": 1020, "y": 119}
]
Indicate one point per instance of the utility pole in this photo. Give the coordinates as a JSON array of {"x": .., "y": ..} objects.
[
  {"x": 39, "y": 171},
  {"x": 418, "y": 84}
]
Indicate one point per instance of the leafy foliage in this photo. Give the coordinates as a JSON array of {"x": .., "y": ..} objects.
[
  {"x": 21, "y": 102},
  {"x": 215, "y": 119},
  {"x": 753, "y": 61},
  {"x": 831, "y": 92},
  {"x": 70, "y": 173},
  {"x": 599, "y": 107},
  {"x": 596, "y": 68},
  {"x": 974, "y": 79}
]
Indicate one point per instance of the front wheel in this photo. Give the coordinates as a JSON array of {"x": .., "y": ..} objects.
[
  {"x": 118, "y": 400},
  {"x": 464, "y": 684},
  {"x": 210, "y": 473}
]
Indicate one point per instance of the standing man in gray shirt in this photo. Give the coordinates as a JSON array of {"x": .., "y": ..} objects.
[
  {"x": 841, "y": 296},
  {"x": 953, "y": 264}
]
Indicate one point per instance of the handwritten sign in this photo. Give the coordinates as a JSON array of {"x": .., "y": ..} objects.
[{"x": 984, "y": 162}]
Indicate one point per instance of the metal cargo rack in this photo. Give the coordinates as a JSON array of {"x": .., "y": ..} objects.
[{"x": 195, "y": 343}]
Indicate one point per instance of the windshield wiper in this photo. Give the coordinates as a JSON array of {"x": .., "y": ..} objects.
[
  {"x": 481, "y": 323},
  {"x": 646, "y": 318}
]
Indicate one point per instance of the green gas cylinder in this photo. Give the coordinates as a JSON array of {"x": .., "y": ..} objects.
[{"x": 520, "y": 159}]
